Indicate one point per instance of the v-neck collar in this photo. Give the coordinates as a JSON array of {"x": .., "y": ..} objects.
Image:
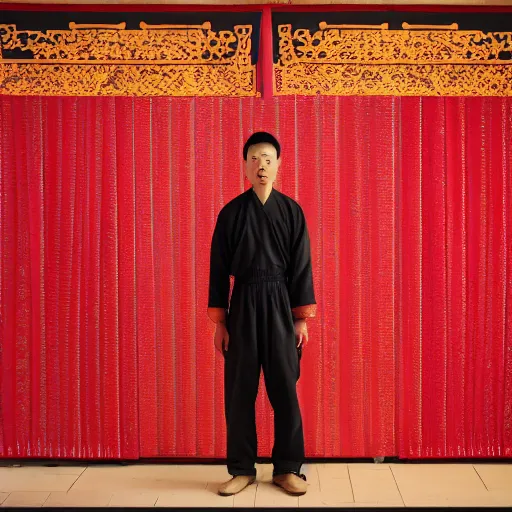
[{"x": 262, "y": 205}]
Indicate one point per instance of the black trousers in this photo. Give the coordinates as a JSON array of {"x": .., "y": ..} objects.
[{"x": 262, "y": 336}]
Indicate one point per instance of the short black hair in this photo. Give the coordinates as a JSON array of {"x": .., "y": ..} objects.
[{"x": 260, "y": 138}]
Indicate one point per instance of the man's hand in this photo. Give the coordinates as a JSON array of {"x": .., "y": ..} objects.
[
  {"x": 301, "y": 333},
  {"x": 221, "y": 337}
]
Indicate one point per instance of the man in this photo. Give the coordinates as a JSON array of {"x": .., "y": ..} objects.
[{"x": 261, "y": 239}]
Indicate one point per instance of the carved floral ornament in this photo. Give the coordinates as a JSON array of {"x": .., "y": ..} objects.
[
  {"x": 373, "y": 60},
  {"x": 157, "y": 60},
  {"x": 193, "y": 60}
]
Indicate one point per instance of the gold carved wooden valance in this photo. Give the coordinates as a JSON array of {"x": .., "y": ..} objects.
[
  {"x": 157, "y": 60},
  {"x": 373, "y": 60},
  {"x": 194, "y": 60}
]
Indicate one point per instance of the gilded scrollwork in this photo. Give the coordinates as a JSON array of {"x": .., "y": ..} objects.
[
  {"x": 403, "y": 80},
  {"x": 178, "y": 60},
  {"x": 341, "y": 60},
  {"x": 194, "y": 60},
  {"x": 125, "y": 80}
]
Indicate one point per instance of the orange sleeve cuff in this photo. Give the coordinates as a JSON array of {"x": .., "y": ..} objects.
[
  {"x": 301, "y": 312},
  {"x": 217, "y": 314}
]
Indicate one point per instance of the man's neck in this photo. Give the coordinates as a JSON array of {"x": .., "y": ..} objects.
[{"x": 263, "y": 192}]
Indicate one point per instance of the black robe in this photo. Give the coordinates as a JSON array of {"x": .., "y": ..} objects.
[
  {"x": 253, "y": 236},
  {"x": 266, "y": 248}
]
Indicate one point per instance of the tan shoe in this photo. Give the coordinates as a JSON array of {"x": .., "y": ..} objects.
[
  {"x": 291, "y": 483},
  {"x": 235, "y": 485}
]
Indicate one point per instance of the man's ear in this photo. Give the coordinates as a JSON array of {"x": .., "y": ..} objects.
[{"x": 279, "y": 162}]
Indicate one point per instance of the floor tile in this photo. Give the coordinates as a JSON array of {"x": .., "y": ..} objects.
[
  {"x": 495, "y": 476},
  {"x": 329, "y": 485},
  {"x": 373, "y": 486},
  {"x": 198, "y": 498},
  {"x": 329, "y": 498},
  {"x": 486, "y": 499},
  {"x": 334, "y": 477},
  {"x": 37, "y": 468},
  {"x": 421, "y": 485},
  {"x": 21, "y": 479},
  {"x": 264, "y": 472},
  {"x": 133, "y": 499},
  {"x": 312, "y": 476},
  {"x": 144, "y": 479},
  {"x": 269, "y": 495},
  {"x": 78, "y": 499},
  {"x": 380, "y": 505},
  {"x": 334, "y": 470},
  {"x": 353, "y": 505},
  {"x": 25, "y": 499},
  {"x": 501, "y": 497},
  {"x": 371, "y": 466},
  {"x": 247, "y": 497}
]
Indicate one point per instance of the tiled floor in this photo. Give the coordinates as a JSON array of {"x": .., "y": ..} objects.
[{"x": 339, "y": 485}]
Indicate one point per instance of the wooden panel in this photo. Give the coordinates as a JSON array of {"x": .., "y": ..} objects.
[{"x": 507, "y": 3}]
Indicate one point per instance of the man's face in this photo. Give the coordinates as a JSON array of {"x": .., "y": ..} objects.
[{"x": 262, "y": 164}]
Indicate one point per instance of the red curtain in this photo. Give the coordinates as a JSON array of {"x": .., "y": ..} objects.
[
  {"x": 454, "y": 308},
  {"x": 107, "y": 209}
]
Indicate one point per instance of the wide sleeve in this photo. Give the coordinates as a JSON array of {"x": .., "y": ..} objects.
[
  {"x": 218, "y": 294},
  {"x": 300, "y": 278}
]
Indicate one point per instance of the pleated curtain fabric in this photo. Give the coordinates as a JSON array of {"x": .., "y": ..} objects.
[{"x": 107, "y": 207}]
